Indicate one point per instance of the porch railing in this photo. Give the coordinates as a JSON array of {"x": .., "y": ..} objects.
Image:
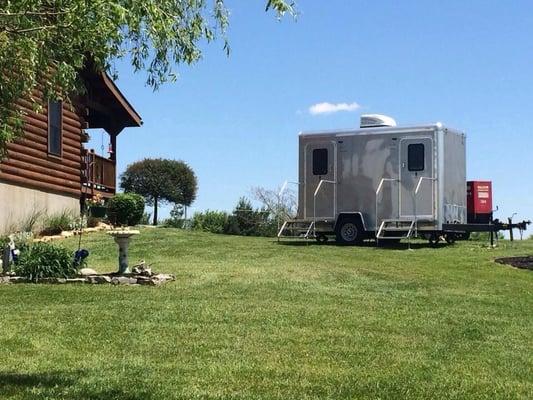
[{"x": 100, "y": 173}]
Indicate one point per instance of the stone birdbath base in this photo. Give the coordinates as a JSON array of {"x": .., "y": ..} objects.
[{"x": 122, "y": 238}]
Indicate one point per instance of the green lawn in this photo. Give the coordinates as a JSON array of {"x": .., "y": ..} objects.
[{"x": 250, "y": 319}]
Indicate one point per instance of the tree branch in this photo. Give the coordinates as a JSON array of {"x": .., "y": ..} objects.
[
  {"x": 34, "y": 29},
  {"x": 34, "y": 13}
]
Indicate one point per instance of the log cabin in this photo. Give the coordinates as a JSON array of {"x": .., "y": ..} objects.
[{"x": 49, "y": 170}]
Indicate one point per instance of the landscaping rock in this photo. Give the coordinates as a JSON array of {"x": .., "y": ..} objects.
[
  {"x": 17, "y": 279},
  {"x": 87, "y": 272},
  {"x": 104, "y": 226},
  {"x": 52, "y": 280},
  {"x": 159, "y": 279},
  {"x": 144, "y": 280},
  {"x": 98, "y": 279},
  {"x": 142, "y": 269},
  {"x": 129, "y": 279},
  {"x": 66, "y": 234},
  {"x": 76, "y": 280},
  {"x": 51, "y": 238},
  {"x": 123, "y": 280}
]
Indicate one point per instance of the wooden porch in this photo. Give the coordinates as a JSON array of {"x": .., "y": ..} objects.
[{"x": 99, "y": 175}]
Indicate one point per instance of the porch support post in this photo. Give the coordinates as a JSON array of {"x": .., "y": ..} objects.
[{"x": 113, "y": 140}]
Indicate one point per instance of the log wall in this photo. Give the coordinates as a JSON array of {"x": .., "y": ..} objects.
[{"x": 29, "y": 163}]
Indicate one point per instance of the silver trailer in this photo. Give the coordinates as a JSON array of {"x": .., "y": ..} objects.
[{"x": 382, "y": 182}]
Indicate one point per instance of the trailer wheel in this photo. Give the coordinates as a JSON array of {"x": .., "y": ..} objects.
[
  {"x": 321, "y": 238},
  {"x": 450, "y": 238},
  {"x": 463, "y": 236},
  {"x": 349, "y": 231},
  {"x": 433, "y": 239}
]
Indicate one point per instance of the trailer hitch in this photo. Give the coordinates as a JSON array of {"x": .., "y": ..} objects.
[{"x": 509, "y": 226}]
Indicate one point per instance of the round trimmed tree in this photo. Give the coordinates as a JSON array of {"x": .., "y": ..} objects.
[{"x": 160, "y": 181}]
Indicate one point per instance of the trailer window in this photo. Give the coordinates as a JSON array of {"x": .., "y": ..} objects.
[
  {"x": 320, "y": 161},
  {"x": 55, "y": 111},
  {"x": 415, "y": 157}
]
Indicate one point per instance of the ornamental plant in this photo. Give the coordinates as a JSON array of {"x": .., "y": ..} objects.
[
  {"x": 45, "y": 260},
  {"x": 95, "y": 201},
  {"x": 125, "y": 209}
]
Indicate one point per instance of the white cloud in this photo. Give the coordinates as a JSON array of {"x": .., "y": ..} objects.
[{"x": 329, "y": 108}]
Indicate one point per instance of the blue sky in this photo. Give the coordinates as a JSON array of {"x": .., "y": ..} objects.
[{"x": 236, "y": 120}]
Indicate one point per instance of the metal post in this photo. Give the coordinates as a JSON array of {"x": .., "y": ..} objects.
[
  {"x": 510, "y": 219},
  {"x": 6, "y": 259}
]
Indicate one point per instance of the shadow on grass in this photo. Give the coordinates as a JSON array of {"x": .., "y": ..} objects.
[
  {"x": 60, "y": 385},
  {"x": 384, "y": 245}
]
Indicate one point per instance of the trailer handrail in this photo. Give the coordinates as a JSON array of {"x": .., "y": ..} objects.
[
  {"x": 420, "y": 180},
  {"x": 320, "y": 185},
  {"x": 383, "y": 180},
  {"x": 284, "y": 186},
  {"x": 280, "y": 193},
  {"x": 317, "y": 190},
  {"x": 417, "y": 189},
  {"x": 378, "y": 190}
]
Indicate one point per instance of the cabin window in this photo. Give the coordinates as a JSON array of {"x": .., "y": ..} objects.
[
  {"x": 55, "y": 134},
  {"x": 320, "y": 162},
  {"x": 415, "y": 157}
]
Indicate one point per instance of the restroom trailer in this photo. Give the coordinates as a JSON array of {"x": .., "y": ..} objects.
[{"x": 380, "y": 181}]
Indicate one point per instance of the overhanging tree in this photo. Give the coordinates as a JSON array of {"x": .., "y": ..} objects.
[
  {"x": 45, "y": 43},
  {"x": 160, "y": 181}
]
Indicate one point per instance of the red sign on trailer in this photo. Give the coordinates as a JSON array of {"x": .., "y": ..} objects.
[{"x": 479, "y": 200}]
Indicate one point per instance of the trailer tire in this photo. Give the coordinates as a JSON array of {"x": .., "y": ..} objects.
[
  {"x": 321, "y": 238},
  {"x": 433, "y": 239},
  {"x": 349, "y": 231},
  {"x": 463, "y": 236},
  {"x": 450, "y": 238}
]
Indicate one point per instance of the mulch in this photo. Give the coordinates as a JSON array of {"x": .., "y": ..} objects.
[{"x": 517, "y": 262}]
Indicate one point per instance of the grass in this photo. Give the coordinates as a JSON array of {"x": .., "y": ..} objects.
[{"x": 250, "y": 319}]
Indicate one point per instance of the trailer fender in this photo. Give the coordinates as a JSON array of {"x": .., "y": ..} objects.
[{"x": 356, "y": 214}]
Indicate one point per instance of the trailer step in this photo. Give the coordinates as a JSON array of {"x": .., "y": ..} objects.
[
  {"x": 405, "y": 227},
  {"x": 303, "y": 229},
  {"x": 297, "y": 229}
]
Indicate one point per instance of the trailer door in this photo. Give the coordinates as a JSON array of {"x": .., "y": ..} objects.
[
  {"x": 320, "y": 165},
  {"x": 416, "y": 170}
]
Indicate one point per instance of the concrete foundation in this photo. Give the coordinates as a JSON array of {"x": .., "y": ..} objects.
[{"x": 18, "y": 203}]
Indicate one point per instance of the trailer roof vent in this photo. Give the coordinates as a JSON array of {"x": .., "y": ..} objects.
[{"x": 376, "y": 120}]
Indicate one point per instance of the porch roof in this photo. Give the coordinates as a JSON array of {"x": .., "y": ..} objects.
[{"x": 107, "y": 107}]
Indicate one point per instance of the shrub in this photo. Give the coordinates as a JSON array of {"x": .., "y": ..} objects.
[
  {"x": 22, "y": 240},
  {"x": 126, "y": 209},
  {"x": 247, "y": 221},
  {"x": 145, "y": 220},
  {"x": 93, "y": 222},
  {"x": 244, "y": 221},
  {"x": 175, "y": 223},
  {"x": 56, "y": 223},
  {"x": 45, "y": 260},
  {"x": 210, "y": 221},
  {"x": 176, "y": 219},
  {"x": 30, "y": 221}
]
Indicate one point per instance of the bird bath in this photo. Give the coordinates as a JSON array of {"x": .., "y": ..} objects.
[{"x": 122, "y": 238}]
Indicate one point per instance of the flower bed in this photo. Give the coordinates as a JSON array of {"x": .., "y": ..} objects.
[{"x": 111, "y": 279}]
